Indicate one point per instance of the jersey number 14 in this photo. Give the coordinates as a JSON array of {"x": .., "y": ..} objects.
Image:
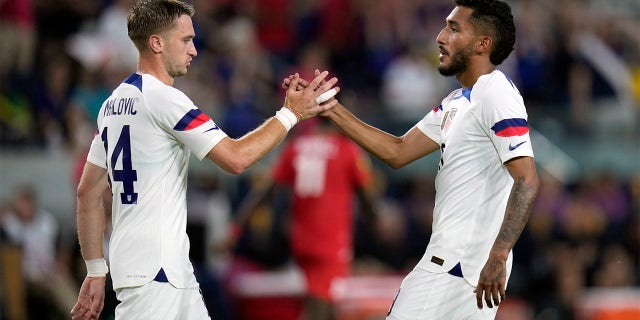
[{"x": 126, "y": 175}]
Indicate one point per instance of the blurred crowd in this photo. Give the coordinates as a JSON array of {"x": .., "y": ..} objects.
[{"x": 576, "y": 63}]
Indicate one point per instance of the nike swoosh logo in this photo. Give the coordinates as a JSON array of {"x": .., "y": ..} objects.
[
  {"x": 214, "y": 128},
  {"x": 511, "y": 148}
]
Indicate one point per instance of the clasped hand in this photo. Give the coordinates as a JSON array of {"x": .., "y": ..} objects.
[{"x": 301, "y": 94}]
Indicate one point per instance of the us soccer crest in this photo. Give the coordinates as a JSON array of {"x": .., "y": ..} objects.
[{"x": 447, "y": 119}]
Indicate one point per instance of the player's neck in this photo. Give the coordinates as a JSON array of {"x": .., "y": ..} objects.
[
  {"x": 474, "y": 70},
  {"x": 156, "y": 69}
]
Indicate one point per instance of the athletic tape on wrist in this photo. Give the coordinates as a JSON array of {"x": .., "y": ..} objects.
[
  {"x": 286, "y": 117},
  {"x": 96, "y": 267}
]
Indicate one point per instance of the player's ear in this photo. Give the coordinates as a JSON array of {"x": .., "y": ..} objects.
[
  {"x": 484, "y": 45},
  {"x": 155, "y": 43}
]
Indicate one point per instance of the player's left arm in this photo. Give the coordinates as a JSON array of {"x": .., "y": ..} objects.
[
  {"x": 491, "y": 285},
  {"x": 91, "y": 222}
]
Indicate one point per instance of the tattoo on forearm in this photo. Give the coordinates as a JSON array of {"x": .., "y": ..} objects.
[{"x": 519, "y": 208}]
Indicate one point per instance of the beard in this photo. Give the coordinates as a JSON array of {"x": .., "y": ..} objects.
[
  {"x": 459, "y": 62},
  {"x": 175, "y": 67},
  {"x": 176, "y": 72}
]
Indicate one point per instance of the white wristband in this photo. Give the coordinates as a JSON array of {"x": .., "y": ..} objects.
[
  {"x": 286, "y": 117},
  {"x": 96, "y": 267}
]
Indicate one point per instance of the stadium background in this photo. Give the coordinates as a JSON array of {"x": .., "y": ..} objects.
[{"x": 577, "y": 64}]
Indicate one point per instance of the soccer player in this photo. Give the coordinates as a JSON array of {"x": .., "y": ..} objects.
[
  {"x": 486, "y": 181},
  {"x": 146, "y": 132},
  {"x": 324, "y": 172}
]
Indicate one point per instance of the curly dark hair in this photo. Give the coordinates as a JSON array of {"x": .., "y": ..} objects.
[
  {"x": 494, "y": 18},
  {"x": 148, "y": 17}
]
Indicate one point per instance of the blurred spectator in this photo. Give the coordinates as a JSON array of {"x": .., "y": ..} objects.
[
  {"x": 411, "y": 86},
  {"x": 261, "y": 238},
  {"x": 385, "y": 247},
  {"x": 607, "y": 191},
  {"x": 313, "y": 56},
  {"x": 48, "y": 282},
  {"x": 13, "y": 306},
  {"x": 88, "y": 94},
  {"x": 533, "y": 50},
  {"x": 569, "y": 282},
  {"x": 17, "y": 124},
  {"x": 104, "y": 42},
  {"x": 339, "y": 28},
  {"x": 550, "y": 205},
  {"x": 635, "y": 192},
  {"x": 405, "y": 216},
  {"x": 324, "y": 171},
  {"x": 390, "y": 27},
  {"x": 111, "y": 28},
  {"x": 598, "y": 80},
  {"x": 616, "y": 268},
  {"x": 418, "y": 198},
  {"x": 583, "y": 221},
  {"x": 50, "y": 97},
  {"x": 248, "y": 78},
  {"x": 17, "y": 38},
  {"x": 57, "y": 19},
  {"x": 274, "y": 25},
  {"x": 208, "y": 225}
]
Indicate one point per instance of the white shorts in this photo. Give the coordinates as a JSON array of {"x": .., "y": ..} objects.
[
  {"x": 427, "y": 295},
  {"x": 160, "y": 300}
]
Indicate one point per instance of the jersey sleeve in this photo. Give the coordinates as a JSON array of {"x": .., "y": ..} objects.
[
  {"x": 186, "y": 122},
  {"x": 505, "y": 119},
  {"x": 97, "y": 155},
  {"x": 430, "y": 124}
]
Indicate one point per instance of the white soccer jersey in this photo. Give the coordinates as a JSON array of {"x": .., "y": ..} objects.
[
  {"x": 146, "y": 131},
  {"x": 478, "y": 129}
]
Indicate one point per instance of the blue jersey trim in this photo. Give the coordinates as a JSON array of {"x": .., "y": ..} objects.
[
  {"x": 456, "y": 270},
  {"x": 466, "y": 92},
  {"x": 135, "y": 80},
  {"x": 161, "y": 276}
]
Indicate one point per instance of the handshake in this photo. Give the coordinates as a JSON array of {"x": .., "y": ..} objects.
[{"x": 307, "y": 99}]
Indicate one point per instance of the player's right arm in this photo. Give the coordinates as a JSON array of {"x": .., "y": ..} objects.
[
  {"x": 392, "y": 150},
  {"x": 236, "y": 155},
  {"x": 90, "y": 219}
]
